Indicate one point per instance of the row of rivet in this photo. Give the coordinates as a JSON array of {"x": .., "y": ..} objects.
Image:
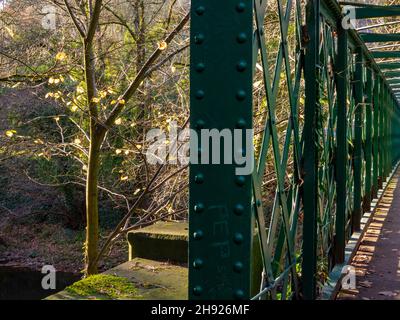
[{"x": 200, "y": 124}]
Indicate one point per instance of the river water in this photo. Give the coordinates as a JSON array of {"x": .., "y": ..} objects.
[{"x": 25, "y": 284}]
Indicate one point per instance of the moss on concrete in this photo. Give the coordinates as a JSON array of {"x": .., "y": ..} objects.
[
  {"x": 139, "y": 279},
  {"x": 104, "y": 286}
]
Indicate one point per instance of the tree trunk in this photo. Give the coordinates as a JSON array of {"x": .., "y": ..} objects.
[{"x": 92, "y": 205}]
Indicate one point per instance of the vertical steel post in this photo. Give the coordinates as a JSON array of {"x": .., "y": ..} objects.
[
  {"x": 342, "y": 78},
  {"x": 375, "y": 138},
  {"x": 381, "y": 147},
  {"x": 368, "y": 141},
  {"x": 359, "y": 104},
  {"x": 384, "y": 143},
  {"x": 220, "y": 219},
  {"x": 310, "y": 161}
]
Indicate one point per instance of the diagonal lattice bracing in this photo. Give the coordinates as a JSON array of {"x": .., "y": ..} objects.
[{"x": 325, "y": 117}]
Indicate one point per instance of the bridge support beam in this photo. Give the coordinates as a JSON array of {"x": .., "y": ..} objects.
[
  {"x": 357, "y": 160},
  {"x": 310, "y": 195},
  {"x": 342, "y": 80},
  {"x": 220, "y": 213}
]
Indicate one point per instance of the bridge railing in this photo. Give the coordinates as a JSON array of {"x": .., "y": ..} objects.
[{"x": 325, "y": 120}]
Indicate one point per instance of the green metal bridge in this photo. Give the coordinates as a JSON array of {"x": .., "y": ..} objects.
[{"x": 323, "y": 100}]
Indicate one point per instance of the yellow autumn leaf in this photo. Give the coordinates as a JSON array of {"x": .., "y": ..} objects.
[
  {"x": 118, "y": 151},
  {"x": 162, "y": 45},
  {"x": 10, "y": 133},
  {"x": 51, "y": 80},
  {"x": 77, "y": 141},
  {"x": 124, "y": 178},
  {"x": 96, "y": 100},
  {"x": 74, "y": 108},
  {"x": 61, "y": 56},
  {"x": 118, "y": 121},
  {"x": 10, "y": 32},
  {"x": 80, "y": 89}
]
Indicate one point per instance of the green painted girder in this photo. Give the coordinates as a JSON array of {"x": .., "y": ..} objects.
[
  {"x": 342, "y": 80},
  {"x": 390, "y": 66},
  {"x": 310, "y": 166},
  {"x": 379, "y": 37},
  {"x": 220, "y": 223},
  {"x": 392, "y": 74},
  {"x": 377, "y": 12},
  {"x": 385, "y": 54}
]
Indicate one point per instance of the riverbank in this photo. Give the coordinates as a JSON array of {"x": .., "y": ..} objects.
[{"x": 34, "y": 245}]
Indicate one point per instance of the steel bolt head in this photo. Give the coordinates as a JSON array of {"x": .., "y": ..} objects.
[
  {"x": 200, "y": 124},
  {"x": 241, "y": 124},
  {"x": 239, "y": 209},
  {"x": 199, "y": 94},
  {"x": 200, "y": 10},
  {"x": 200, "y": 67},
  {"x": 239, "y": 294},
  {"x": 197, "y": 235},
  {"x": 199, "y": 178},
  {"x": 241, "y": 95},
  {"x": 197, "y": 290},
  {"x": 241, "y": 6},
  {"x": 199, "y": 38},
  {"x": 198, "y": 263},
  {"x": 199, "y": 207},
  {"x": 241, "y": 66},
  {"x": 238, "y": 238},
  {"x": 238, "y": 267},
  {"x": 240, "y": 181},
  {"x": 241, "y": 38}
]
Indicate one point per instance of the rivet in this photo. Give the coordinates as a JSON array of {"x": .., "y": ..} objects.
[
  {"x": 238, "y": 238},
  {"x": 238, "y": 267},
  {"x": 239, "y": 294},
  {"x": 200, "y": 124},
  {"x": 197, "y": 290},
  {"x": 241, "y": 124},
  {"x": 197, "y": 235},
  {"x": 199, "y": 207},
  {"x": 241, "y": 38},
  {"x": 258, "y": 203},
  {"x": 198, "y": 263},
  {"x": 240, "y": 180},
  {"x": 200, "y": 10},
  {"x": 240, "y": 7},
  {"x": 241, "y": 66},
  {"x": 199, "y": 178},
  {"x": 241, "y": 95},
  {"x": 199, "y": 38},
  {"x": 239, "y": 209},
  {"x": 199, "y": 94},
  {"x": 200, "y": 67}
]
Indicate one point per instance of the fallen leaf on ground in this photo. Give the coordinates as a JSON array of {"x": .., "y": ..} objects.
[
  {"x": 388, "y": 293},
  {"x": 365, "y": 284}
]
